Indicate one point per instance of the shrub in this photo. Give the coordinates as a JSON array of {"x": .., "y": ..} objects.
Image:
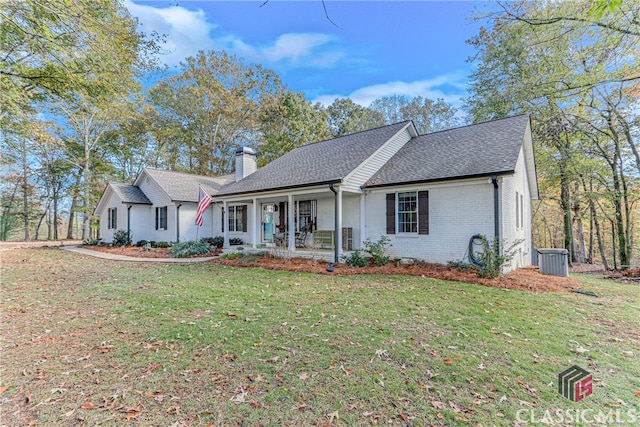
[
  {"x": 141, "y": 243},
  {"x": 159, "y": 244},
  {"x": 214, "y": 242},
  {"x": 355, "y": 259},
  {"x": 235, "y": 241},
  {"x": 185, "y": 249},
  {"x": 92, "y": 242},
  {"x": 121, "y": 238},
  {"x": 231, "y": 255},
  {"x": 377, "y": 250},
  {"x": 490, "y": 261}
]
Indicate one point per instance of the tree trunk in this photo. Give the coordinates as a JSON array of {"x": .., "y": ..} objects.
[
  {"x": 72, "y": 209},
  {"x": 55, "y": 213},
  {"x": 25, "y": 190},
  {"x": 580, "y": 250}
]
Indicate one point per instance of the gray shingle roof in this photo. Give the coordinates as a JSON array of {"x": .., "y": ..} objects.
[
  {"x": 183, "y": 187},
  {"x": 317, "y": 163},
  {"x": 130, "y": 194},
  {"x": 475, "y": 150}
]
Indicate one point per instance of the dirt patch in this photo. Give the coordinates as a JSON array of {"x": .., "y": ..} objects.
[
  {"x": 528, "y": 279},
  {"x": 37, "y": 244}
]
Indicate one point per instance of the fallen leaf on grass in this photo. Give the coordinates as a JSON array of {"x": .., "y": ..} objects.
[
  {"x": 332, "y": 416},
  {"x": 637, "y": 393},
  {"x": 4, "y": 388},
  {"x": 403, "y": 416},
  {"x": 454, "y": 406},
  {"x": 303, "y": 376},
  {"x": 88, "y": 405},
  {"x": 437, "y": 404},
  {"x": 448, "y": 361},
  {"x": 345, "y": 370},
  {"x": 173, "y": 410}
]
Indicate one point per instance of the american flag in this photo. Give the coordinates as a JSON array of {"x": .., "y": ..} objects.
[{"x": 204, "y": 200}]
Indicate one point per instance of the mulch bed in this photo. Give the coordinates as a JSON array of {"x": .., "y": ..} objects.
[{"x": 528, "y": 279}]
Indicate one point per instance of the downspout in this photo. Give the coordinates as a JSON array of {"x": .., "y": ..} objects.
[
  {"x": 178, "y": 222},
  {"x": 335, "y": 219},
  {"x": 496, "y": 212},
  {"x": 129, "y": 223}
]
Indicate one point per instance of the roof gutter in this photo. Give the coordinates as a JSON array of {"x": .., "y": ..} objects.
[
  {"x": 289, "y": 187},
  {"x": 428, "y": 181}
]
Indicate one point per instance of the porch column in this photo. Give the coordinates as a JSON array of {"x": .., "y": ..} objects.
[
  {"x": 292, "y": 225},
  {"x": 225, "y": 224},
  {"x": 256, "y": 224},
  {"x": 338, "y": 237},
  {"x": 363, "y": 219}
]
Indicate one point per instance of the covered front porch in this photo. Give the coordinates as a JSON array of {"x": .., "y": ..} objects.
[{"x": 321, "y": 223}]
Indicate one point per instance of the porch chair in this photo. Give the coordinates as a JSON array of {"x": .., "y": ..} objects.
[{"x": 301, "y": 237}]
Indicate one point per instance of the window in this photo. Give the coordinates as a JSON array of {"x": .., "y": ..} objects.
[
  {"x": 112, "y": 218},
  {"x": 161, "y": 218},
  {"x": 237, "y": 216},
  {"x": 408, "y": 212},
  {"x": 305, "y": 213}
]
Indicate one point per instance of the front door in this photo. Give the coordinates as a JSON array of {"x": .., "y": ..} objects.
[{"x": 268, "y": 225}]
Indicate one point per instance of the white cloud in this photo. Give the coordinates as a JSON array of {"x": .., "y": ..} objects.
[
  {"x": 188, "y": 31},
  {"x": 450, "y": 87}
]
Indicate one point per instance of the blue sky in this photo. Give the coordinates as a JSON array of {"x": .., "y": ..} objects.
[{"x": 375, "y": 48}]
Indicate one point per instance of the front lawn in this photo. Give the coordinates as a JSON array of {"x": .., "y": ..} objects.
[{"x": 87, "y": 341}]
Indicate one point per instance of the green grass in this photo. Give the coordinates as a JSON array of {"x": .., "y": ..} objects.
[{"x": 207, "y": 344}]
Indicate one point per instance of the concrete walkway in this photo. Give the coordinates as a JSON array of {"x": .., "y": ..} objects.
[{"x": 115, "y": 257}]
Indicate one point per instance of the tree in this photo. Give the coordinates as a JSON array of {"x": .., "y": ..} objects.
[
  {"x": 214, "y": 106},
  {"x": 555, "y": 60},
  {"x": 289, "y": 123},
  {"x": 56, "y": 48},
  {"x": 428, "y": 115},
  {"x": 345, "y": 117}
]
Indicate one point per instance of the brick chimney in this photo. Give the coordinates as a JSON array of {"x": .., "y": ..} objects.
[{"x": 245, "y": 162}]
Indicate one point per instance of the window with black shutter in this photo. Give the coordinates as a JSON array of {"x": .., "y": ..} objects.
[
  {"x": 423, "y": 212},
  {"x": 161, "y": 218},
  {"x": 391, "y": 213}
]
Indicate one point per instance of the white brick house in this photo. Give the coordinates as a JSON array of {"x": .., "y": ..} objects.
[{"x": 428, "y": 193}]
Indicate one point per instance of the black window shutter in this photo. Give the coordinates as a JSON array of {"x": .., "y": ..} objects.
[
  {"x": 244, "y": 218},
  {"x": 109, "y": 218},
  {"x": 391, "y": 213},
  {"x": 423, "y": 212},
  {"x": 222, "y": 216},
  {"x": 156, "y": 218},
  {"x": 115, "y": 217}
]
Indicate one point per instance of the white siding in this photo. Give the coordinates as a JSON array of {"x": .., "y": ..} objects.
[
  {"x": 362, "y": 173},
  {"x": 457, "y": 211},
  {"x": 351, "y": 217},
  {"x": 113, "y": 201},
  {"x": 159, "y": 199},
  {"x": 512, "y": 231},
  {"x": 140, "y": 229}
]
